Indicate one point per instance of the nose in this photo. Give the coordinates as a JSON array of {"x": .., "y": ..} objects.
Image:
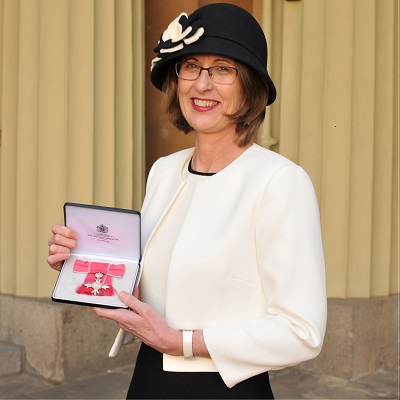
[{"x": 203, "y": 82}]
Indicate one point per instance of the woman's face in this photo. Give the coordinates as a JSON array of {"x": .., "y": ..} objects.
[{"x": 205, "y": 103}]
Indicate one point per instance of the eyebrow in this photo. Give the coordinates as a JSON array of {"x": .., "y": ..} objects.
[{"x": 216, "y": 60}]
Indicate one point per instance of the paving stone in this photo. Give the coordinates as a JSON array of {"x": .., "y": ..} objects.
[
  {"x": 113, "y": 385},
  {"x": 385, "y": 384},
  {"x": 18, "y": 386},
  {"x": 292, "y": 383}
]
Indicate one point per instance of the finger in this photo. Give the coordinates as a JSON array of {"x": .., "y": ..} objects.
[
  {"x": 55, "y": 249},
  {"x": 57, "y": 258},
  {"x": 56, "y": 261},
  {"x": 136, "y": 292},
  {"x": 102, "y": 313},
  {"x": 60, "y": 240},
  {"x": 64, "y": 231},
  {"x": 115, "y": 315},
  {"x": 131, "y": 301},
  {"x": 57, "y": 255},
  {"x": 57, "y": 266},
  {"x": 63, "y": 236}
]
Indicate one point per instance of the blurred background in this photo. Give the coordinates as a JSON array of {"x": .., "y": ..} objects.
[{"x": 81, "y": 122}]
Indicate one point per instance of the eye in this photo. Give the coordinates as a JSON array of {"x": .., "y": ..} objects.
[
  {"x": 223, "y": 70},
  {"x": 190, "y": 66}
]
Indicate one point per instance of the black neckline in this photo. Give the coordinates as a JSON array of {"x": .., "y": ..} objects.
[{"x": 192, "y": 171}]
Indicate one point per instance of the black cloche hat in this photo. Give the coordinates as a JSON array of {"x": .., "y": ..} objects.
[{"x": 220, "y": 28}]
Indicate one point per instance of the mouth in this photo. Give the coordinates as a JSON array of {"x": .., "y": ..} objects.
[{"x": 204, "y": 103}]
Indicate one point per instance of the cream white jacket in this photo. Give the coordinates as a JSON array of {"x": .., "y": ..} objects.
[{"x": 248, "y": 264}]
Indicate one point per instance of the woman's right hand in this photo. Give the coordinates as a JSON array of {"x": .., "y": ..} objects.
[{"x": 60, "y": 245}]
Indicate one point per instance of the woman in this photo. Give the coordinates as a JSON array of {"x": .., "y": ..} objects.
[{"x": 233, "y": 272}]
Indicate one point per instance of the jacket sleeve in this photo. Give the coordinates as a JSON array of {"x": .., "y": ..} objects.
[{"x": 292, "y": 274}]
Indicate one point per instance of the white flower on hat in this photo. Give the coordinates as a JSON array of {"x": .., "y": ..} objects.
[
  {"x": 174, "y": 30},
  {"x": 176, "y": 36}
]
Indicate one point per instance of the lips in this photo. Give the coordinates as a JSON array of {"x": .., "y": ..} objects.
[{"x": 204, "y": 103}]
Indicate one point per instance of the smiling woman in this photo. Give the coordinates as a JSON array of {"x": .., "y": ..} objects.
[
  {"x": 249, "y": 115},
  {"x": 207, "y": 105},
  {"x": 233, "y": 281}
]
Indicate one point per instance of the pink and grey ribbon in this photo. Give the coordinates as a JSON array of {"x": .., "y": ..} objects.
[{"x": 98, "y": 281}]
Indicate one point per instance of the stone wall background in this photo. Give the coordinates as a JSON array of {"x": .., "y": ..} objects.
[{"x": 62, "y": 342}]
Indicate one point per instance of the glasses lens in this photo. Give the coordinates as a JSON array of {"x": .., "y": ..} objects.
[
  {"x": 223, "y": 75},
  {"x": 188, "y": 71}
]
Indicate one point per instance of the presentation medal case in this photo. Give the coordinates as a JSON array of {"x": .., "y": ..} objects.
[{"x": 106, "y": 259}]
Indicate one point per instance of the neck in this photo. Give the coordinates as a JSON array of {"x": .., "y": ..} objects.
[{"x": 213, "y": 154}]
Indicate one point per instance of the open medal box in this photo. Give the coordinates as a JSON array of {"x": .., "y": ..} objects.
[{"x": 106, "y": 259}]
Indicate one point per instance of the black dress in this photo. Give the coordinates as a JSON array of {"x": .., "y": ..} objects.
[{"x": 149, "y": 381}]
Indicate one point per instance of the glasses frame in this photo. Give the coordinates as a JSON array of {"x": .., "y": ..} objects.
[{"x": 201, "y": 69}]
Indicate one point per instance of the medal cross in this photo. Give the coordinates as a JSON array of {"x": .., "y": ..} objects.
[{"x": 97, "y": 285}]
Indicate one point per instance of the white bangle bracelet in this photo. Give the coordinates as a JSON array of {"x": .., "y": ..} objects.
[{"x": 187, "y": 337}]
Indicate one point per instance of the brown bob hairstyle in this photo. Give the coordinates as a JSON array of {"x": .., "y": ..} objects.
[{"x": 249, "y": 116}]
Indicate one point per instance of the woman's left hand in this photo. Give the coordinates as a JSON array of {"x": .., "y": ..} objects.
[{"x": 146, "y": 323}]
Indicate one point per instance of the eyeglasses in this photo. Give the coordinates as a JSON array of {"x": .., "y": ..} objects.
[{"x": 219, "y": 74}]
